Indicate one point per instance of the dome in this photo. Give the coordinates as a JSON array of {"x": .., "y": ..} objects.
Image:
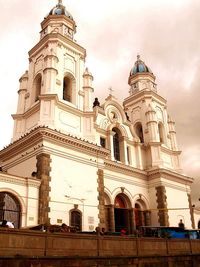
[
  {"x": 140, "y": 67},
  {"x": 59, "y": 9}
]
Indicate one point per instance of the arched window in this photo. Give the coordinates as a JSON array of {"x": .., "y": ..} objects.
[
  {"x": 139, "y": 131},
  {"x": 67, "y": 89},
  {"x": 161, "y": 132},
  {"x": 10, "y": 209},
  {"x": 37, "y": 87},
  {"x": 116, "y": 144},
  {"x": 76, "y": 219}
]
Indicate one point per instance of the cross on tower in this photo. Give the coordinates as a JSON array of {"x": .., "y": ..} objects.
[
  {"x": 111, "y": 90},
  {"x": 60, "y": 2}
]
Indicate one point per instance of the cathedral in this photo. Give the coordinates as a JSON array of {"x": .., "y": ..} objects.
[{"x": 77, "y": 161}]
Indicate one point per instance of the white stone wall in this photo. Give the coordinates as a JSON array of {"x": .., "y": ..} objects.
[
  {"x": 26, "y": 191},
  {"x": 133, "y": 187},
  {"x": 178, "y": 205},
  {"x": 153, "y": 205},
  {"x": 73, "y": 181}
]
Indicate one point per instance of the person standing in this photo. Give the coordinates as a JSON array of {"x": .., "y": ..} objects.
[{"x": 181, "y": 224}]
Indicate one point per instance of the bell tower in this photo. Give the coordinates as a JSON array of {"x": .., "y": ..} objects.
[
  {"x": 148, "y": 113},
  {"x": 57, "y": 87}
]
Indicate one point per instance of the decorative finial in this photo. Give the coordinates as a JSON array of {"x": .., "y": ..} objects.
[
  {"x": 138, "y": 57},
  {"x": 60, "y": 2},
  {"x": 111, "y": 90},
  {"x": 96, "y": 102}
]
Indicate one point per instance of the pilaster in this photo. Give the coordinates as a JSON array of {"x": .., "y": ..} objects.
[
  {"x": 101, "y": 205},
  {"x": 147, "y": 215},
  {"x": 43, "y": 173},
  {"x": 163, "y": 217},
  {"x": 191, "y": 211}
]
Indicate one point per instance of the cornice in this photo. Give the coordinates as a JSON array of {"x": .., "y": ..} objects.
[
  {"x": 49, "y": 18},
  {"x": 169, "y": 151},
  {"x": 99, "y": 110},
  {"x": 35, "y": 108},
  {"x": 42, "y": 133},
  {"x": 170, "y": 184},
  {"x": 18, "y": 180},
  {"x": 132, "y": 181},
  {"x": 60, "y": 104},
  {"x": 56, "y": 37},
  {"x": 90, "y": 162},
  {"x": 163, "y": 148},
  {"x": 100, "y": 130},
  {"x": 124, "y": 169},
  {"x": 142, "y": 95},
  {"x": 169, "y": 175}
]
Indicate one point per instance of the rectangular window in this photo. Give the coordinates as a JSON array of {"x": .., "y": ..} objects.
[
  {"x": 103, "y": 142},
  {"x": 128, "y": 155}
]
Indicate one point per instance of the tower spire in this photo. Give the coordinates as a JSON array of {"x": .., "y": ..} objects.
[{"x": 60, "y": 2}]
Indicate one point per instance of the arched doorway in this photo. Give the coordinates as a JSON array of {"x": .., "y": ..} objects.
[
  {"x": 141, "y": 214},
  {"x": 122, "y": 213},
  {"x": 10, "y": 208}
]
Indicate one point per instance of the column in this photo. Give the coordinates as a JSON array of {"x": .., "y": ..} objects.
[
  {"x": 111, "y": 134},
  {"x": 112, "y": 218}
]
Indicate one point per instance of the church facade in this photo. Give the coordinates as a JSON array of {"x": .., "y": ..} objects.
[{"x": 73, "y": 160}]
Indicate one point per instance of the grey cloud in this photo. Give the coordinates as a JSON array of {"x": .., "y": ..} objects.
[{"x": 165, "y": 33}]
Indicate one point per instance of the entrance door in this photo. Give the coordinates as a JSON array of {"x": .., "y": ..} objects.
[
  {"x": 121, "y": 220},
  {"x": 121, "y": 214}
]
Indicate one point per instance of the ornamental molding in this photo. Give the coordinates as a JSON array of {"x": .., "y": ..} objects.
[
  {"x": 124, "y": 169},
  {"x": 93, "y": 162},
  {"x": 59, "y": 38},
  {"x": 129, "y": 180},
  {"x": 169, "y": 175},
  {"x": 18, "y": 180},
  {"x": 167, "y": 184},
  {"x": 34, "y": 109},
  {"x": 142, "y": 95},
  {"x": 169, "y": 151},
  {"x": 42, "y": 133},
  {"x": 99, "y": 110}
]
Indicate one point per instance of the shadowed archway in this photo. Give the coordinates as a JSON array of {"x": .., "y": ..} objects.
[{"x": 10, "y": 208}]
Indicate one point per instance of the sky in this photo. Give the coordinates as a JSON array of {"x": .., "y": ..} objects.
[{"x": 164, "y": 32}]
